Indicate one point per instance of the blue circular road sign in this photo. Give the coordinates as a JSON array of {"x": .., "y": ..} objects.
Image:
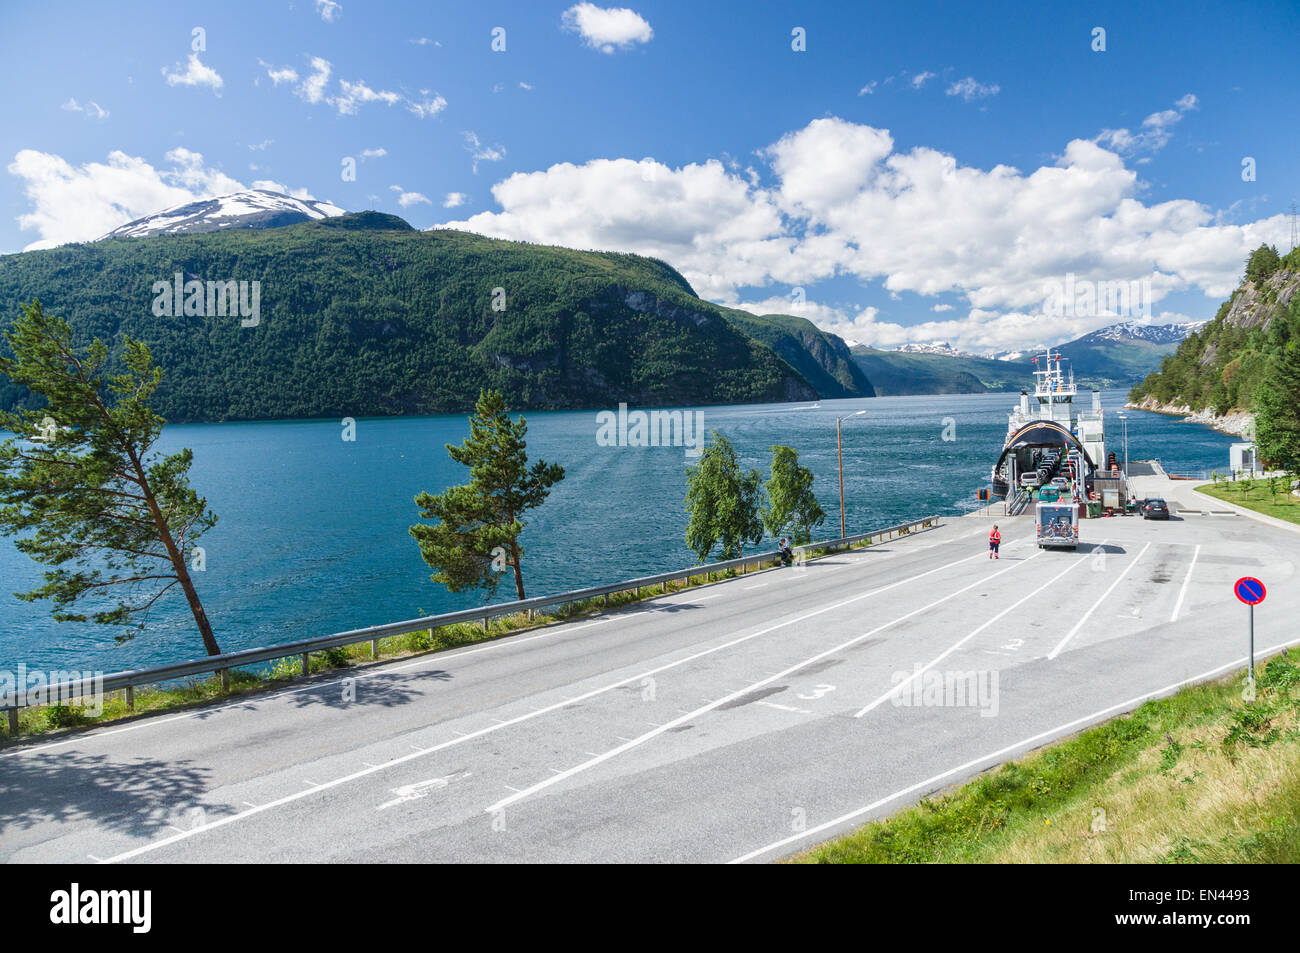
[{"x": 1249, "y": 590}]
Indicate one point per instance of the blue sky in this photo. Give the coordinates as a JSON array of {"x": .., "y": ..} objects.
[{"x": 921, "y": 171}]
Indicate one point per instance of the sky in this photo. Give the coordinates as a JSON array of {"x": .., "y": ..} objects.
[{"x": 904, "y": 172}]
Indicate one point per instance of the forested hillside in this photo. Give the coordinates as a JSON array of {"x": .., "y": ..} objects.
[
  {"x": 363, "y": 315},
  {"x": 1223, "y": 366}
]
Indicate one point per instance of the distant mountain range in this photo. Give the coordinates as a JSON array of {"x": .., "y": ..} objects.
[
  {"x": 362, "y": 314},
  {"x": 1115, "y": 356}
]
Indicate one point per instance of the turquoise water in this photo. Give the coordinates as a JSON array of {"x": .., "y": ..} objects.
[{"x": 313, "y": 539}]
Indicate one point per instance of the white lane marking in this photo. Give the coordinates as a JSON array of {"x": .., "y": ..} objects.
[
  {"x": 1104, "y": 596},
  {"x": 802, "y": 711},
  {"x": 435, "y": 659},
  {"x": 631, "y": 743},
  {"x": 759, "y": 586},
  {"x": 1186, "y": 579},
  {"x": 94, "y": 858},
  {"x": 413, "y": 792},
  {"x": 962, "y": 641},
  {"x": 931, "y": 783},
  {"x": 232, "y": 818},
  {"x": 250, "y": 804}
]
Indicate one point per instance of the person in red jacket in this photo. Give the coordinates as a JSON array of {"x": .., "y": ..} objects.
[{"x": 995, "y": 540}]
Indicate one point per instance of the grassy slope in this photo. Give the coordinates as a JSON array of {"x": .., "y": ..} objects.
[
  {"x": 1200, "y": 777},
  {"x": 1282, "y": 505}
]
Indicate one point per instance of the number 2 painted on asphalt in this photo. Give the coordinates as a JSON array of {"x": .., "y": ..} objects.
[{"x": 817, "y": 692}]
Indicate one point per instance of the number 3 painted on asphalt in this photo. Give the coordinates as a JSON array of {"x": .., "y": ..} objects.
[{"x": 817, "y": 692}]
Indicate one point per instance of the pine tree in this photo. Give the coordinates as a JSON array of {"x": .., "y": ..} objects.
[
  {"x": 722, "y": 503},
  {"x": 1277, "y": 418},
  {"x": 476, "y": 536},
  {"x": 791, "y": 501},
  {"x": 81, "y": 488}
]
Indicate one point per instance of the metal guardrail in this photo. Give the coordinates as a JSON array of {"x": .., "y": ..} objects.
[{"x": 222, "y": 664}]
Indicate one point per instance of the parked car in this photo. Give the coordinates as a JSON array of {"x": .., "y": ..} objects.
[{"x": 1155, "y": 509}]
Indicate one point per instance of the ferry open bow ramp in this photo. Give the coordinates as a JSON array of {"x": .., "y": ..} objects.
[{"x": 740, "y": 721}]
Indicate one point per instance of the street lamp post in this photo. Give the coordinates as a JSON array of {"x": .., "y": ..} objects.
[
  {"x": 839, "y": 449},
  {"x": 1124, "y": 418}
]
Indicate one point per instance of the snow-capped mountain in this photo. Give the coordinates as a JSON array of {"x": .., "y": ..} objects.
[
  {"x": 933, "y": 347},
  {"x": 1155, "y": 333},
  {"x": 252, "y": 208}
]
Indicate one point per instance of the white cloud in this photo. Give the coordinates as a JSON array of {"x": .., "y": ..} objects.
[
  {"x": 373, "y": 153},
  {"x": 355, "y": 95},
  {"x": 920, "y": 79},
  {"x": 195, "y": 74},
  {"x": 351, "y": 96},
  {"x": 407, "y": 199},
  {"x": 77, "y": 204},
  {"x": 285, "y": 75},
  {"x": 91, "y": 109},
  {"x": 455, "y": 200},
  {"x": 523, "y": 85},
  {"x": 844, "y": 203},
  {"x": 427, "y": 107},
  {"x": 942, "y": 307},
  {"x": 1156, "y": 131},
  {"x": 607, "y": 29},
  {"x": 480, "y": 152},
  {"x": 329, "y": 10},
  {"x": 312, "y": 89},
  {"x": 968, "y": 89},
  {"x": 869, "y": 89},
  {"x": 261, "y": 146}
]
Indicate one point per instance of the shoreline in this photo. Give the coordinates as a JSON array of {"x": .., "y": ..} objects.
[{"x": 1234, "y": 424}]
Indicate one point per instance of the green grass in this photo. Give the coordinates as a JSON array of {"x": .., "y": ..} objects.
[
  {"x": 38, "y": 720},
  {"x": 1203, "y": 776},
  {"x": 1260, "y": 498}
]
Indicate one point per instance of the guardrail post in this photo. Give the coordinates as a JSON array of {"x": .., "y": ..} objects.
[
  {"x": 374, "y": 648},
  {"x": 306, "y": 665},
  {"x": 12, "y": 713},
  {"x": 130, "y": 697},
  {"x": 225, "y": 680}
]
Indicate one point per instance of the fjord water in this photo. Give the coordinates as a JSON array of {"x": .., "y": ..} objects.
[{"x": 312, "y": 533}]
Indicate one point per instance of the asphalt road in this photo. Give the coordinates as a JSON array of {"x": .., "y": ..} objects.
[{"x": 740, "y": 721}]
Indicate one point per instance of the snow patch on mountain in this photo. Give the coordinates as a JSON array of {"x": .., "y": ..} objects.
[{"x": 252, "y": 208}]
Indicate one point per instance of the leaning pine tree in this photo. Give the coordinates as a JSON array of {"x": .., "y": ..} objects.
[
  {"x": 476, "y": 536},
  {"x": 81, "y": 488}
]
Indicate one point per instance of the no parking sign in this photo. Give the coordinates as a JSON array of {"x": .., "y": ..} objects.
[{"x": 1252, "y": 592}]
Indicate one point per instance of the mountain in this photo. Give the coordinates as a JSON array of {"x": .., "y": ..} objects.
[
  {"x": 1113, "y": 356},
  {"x": 1123, "y": 353},
  {"x": 821, "y": 357},
  {"x": 363, "y": 315},
  {"x": 1217, "y": 371},
  {"x": 253, "y": 208},
  {"x": 893, "y": 373}
]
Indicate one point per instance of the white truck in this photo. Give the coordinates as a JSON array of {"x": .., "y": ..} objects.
[{"x": 1057, "y": 524}]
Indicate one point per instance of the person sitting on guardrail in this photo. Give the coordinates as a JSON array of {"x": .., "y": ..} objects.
[{"x": 787, "y": 554}]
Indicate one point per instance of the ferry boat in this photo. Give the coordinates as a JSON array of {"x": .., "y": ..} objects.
[{"x": 1049, "y": 441}]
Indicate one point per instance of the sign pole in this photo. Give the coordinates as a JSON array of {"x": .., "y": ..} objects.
[{"x": 1252, "y": 645}]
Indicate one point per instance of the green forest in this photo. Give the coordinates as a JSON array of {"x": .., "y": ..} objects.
[
  {"x": 1224, "y": 365},
  {"x": 364, "y": 315}
]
